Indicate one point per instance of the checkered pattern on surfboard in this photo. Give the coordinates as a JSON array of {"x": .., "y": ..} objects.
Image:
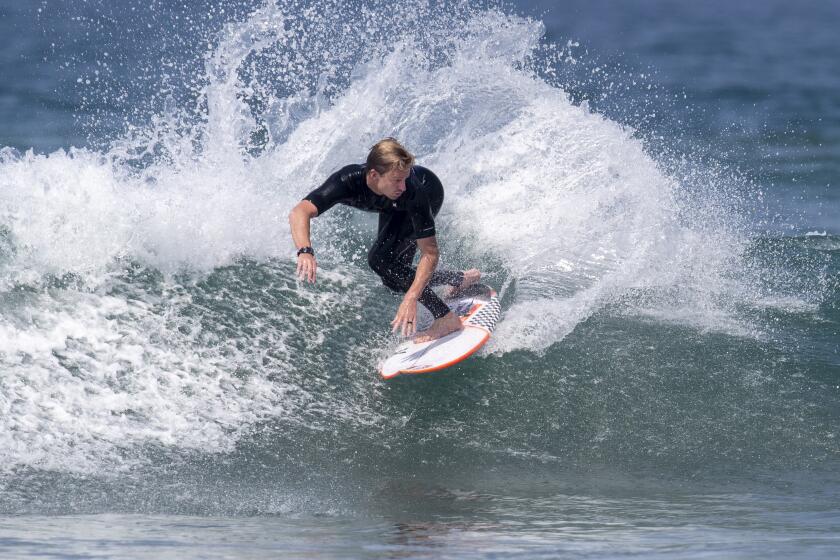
[{"x": 487, "y": 316}]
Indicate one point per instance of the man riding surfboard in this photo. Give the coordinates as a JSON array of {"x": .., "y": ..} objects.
[{"x": 407, "y": 198}]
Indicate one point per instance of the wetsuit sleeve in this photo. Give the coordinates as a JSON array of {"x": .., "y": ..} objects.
[
  {"x": 421, "y": 211},
  {"x": 334, "y": 190},
  {"x": 422, "y": 218}
]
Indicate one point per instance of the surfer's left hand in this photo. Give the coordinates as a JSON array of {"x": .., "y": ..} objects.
[{"x": 406, "y": 317}]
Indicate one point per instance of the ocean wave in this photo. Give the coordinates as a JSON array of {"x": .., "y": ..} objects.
[{"x": 149, "y": 298}]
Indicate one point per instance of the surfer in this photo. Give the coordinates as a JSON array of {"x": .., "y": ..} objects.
[{"x": 407, "y": 198}]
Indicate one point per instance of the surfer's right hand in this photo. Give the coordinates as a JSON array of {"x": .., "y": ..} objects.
[{"x": 306, "y": 267}]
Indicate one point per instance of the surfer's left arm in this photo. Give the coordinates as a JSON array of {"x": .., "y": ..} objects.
[{"x": 406, "y": 318}]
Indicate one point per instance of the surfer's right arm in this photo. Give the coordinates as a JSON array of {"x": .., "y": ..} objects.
[
  {"x": 333, "y": 190},
  {"x": 299, "y": 219}
]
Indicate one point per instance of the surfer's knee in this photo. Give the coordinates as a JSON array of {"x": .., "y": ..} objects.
[
  {"x": 388, "y": 278},
  {"x": 376, "y": 263},
  {"x": 391, "y": 285}
]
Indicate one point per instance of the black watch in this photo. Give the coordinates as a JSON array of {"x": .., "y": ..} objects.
[{"x": 306, "y": 251}]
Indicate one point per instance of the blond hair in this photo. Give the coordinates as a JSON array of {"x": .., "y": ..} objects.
[{"x": 388, "y": 154}]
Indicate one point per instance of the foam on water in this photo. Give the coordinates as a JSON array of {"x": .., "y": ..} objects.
[
  {"x": 563, "y": 205},
  {"x": 93, "y": 378}
]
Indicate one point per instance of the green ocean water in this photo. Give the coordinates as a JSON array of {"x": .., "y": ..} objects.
[{"x": 664, "y": 380}]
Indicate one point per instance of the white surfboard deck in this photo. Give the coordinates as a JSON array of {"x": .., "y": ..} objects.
[{"x": 479, "y": 309}]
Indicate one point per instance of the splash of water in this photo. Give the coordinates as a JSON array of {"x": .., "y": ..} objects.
[{"x": 563, "y": 205}]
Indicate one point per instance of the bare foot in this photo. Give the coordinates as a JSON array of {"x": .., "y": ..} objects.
[
  {"x": 471, "y": 276},
  {"x": 447, "y": 324}
]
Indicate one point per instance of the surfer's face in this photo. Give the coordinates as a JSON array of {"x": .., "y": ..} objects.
[{"x": 391, "y": 184}]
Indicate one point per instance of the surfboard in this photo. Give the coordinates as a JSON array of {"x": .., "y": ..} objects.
[{"x": 479, "y": 309}]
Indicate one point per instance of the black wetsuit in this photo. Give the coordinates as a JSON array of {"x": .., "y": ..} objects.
[{"x": 401, "y": 223}]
